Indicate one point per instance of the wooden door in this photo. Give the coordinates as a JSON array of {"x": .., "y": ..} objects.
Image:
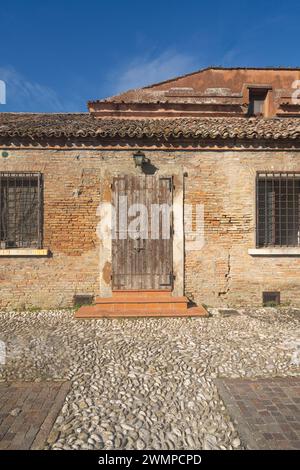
[{"x": 142, "y": 236}]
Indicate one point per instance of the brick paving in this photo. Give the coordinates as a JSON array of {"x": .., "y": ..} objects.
[
  {"x": 28, "y": 411},
  {"x": 266, "y": 411}
]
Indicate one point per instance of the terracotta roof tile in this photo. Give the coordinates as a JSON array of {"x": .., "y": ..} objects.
[{"x": 86, "y": 125}]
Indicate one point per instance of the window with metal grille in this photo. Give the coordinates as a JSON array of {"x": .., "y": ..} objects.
[
  {"x": 21, "y": 210},
  {"x": 271, "y": 298},
  {"x": 278, "y": 209}
]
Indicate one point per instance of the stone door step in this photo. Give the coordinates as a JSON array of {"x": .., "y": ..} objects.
[{"x": 140, "y": 304}]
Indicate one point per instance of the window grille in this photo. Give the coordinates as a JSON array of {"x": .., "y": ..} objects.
[
  {"x": 271, "y": 298},
  {"x": 21, "y": 207},
  {"x": 278, "y": 209}
]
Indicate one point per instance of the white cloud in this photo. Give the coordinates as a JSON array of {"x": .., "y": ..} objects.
[
  {"x": 145, "y": 70},
  {"x": 24, "y": 95}
]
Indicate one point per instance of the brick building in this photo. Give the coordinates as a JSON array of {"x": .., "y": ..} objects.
[{"x": 222, "y": 145}]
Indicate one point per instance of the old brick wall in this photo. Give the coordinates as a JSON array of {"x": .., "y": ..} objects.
[
  {"x": 221, "y": 273},
  {"x": 71, "y": 196}
]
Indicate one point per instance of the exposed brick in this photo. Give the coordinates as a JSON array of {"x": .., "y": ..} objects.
[
  {"x": 31, "y": 427},
  {"x": 268, "y": 431},
  {"x": 221, "y": 274}
]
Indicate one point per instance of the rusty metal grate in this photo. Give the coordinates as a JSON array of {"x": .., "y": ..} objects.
[
  {"x": 278, "y": 209},
  {"x": 21, "y": 217},
  {"x": 271, "y": 298},
  {"x": 83, "y": 299}
]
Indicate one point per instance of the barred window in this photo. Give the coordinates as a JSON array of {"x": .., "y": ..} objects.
[
  {"x": 21, "y": 210},
  {"x": 278, "y": 209}
]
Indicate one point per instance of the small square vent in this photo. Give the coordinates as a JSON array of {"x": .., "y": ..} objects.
[
  {"x": 83, "y": 299},
  {"x": 271, "y": 298}
]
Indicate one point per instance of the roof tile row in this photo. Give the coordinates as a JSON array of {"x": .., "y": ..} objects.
[{"x": 86, "y": 125}]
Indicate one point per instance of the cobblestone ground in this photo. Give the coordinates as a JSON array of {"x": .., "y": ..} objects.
[{"x": 148, "y": 383}]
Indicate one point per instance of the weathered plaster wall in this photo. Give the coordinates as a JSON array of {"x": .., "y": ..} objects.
[{"x": 75, "y": 182}]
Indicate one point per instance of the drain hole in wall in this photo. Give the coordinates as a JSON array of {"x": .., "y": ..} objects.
[
  {"x": 271, "y": 299},
  {"x": 84, "y": 299}
]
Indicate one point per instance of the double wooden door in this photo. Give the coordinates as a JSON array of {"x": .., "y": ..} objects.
[{"x": 142, "y": 242}]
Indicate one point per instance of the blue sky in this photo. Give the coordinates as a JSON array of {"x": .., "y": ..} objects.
[{"x": 55, "y": 55}]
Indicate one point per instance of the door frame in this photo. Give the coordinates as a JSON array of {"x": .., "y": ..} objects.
[{"x": 104, "y": 212}]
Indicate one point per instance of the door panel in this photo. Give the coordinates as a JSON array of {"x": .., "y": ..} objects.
[{"x": 142, "y": 241}]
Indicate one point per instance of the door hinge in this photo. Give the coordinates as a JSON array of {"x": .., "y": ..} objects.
[{"x": 172, "y": 277}]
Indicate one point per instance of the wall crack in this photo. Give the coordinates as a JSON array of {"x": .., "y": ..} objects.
[{"x": 227, "y": 278}]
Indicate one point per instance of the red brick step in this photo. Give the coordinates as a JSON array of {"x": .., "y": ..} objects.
[{"x": 140, "y": 304}]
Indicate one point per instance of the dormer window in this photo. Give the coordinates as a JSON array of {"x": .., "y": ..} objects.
[{"x": 257, "y": 101}]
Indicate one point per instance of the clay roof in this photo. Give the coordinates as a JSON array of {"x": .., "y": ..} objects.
[
  {"x": 85, "y": 125},
  {"x": 196, "y": 72},
  {"x": 192, "y": 87}
]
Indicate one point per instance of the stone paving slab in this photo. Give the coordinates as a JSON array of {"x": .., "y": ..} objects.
[
  {"x": 28, "y": 411},
  {"x": 266, "y": 411}
]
